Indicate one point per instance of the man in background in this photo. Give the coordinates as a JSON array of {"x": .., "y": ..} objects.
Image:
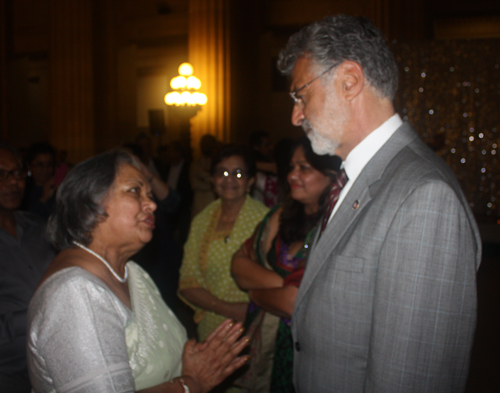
[
  {"x": 40, "y": 191},
  {"x": 265, "y": 188},
  {"x": 25, "y": 254}
]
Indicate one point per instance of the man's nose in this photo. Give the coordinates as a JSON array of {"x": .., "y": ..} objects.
[{"x": 297, "y": 115}]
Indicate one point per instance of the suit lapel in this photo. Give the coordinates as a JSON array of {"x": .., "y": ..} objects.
[
  {"x": 362, "y": 191},
  {"x": 333, "y": 233}
]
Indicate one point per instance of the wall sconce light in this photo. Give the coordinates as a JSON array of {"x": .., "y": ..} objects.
[{"x": 185, "y": 85}]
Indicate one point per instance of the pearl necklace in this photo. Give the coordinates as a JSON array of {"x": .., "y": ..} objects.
[{"x": 122, "y": 280}]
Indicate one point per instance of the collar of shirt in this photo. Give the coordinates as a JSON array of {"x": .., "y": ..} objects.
[{"x": 363, "y": 153}]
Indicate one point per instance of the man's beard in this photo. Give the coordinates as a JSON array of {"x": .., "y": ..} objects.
[{"x": 320, "y": 144}]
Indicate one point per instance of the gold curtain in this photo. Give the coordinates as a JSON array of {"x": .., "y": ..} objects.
[
  {"x": 209, "y": 54},
  {"x": 71, "y": 79}
]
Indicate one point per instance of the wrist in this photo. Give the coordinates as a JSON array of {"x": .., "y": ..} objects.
[
  {"x": 190, "y": 384},
  {"x": 217, "y": 306}
]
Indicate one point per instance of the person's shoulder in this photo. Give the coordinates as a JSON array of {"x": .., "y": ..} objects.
[
  {"x": 272, "y": 219},
  {"x": 406, "y": 159},
  {"x": 202, "y": 219},
  {"x": 73, "y": 288},
  {"x": 415, "y": 170},
  {"x": 418, "y": 164},
  {"x": 34, "y": 235},
  {"x": 207, "y": 211},
  {"x": 275, "y": 214},
  {"x": 26, "y": 218},
  {"x": 253, "y": 212},
  {"x": 73, "y": 299},
  {"x": 70, "y": 279},
  {"x": 256, "y": 205}
]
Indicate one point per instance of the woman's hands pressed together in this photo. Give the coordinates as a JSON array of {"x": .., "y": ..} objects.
[{"x": 207, "y": 364}]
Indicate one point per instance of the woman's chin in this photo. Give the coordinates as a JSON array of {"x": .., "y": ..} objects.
[
  {"x": 141, "y": 242},
  {"x": 298, "y": 195},
  {"x": 147, "y": 239},
  {"x": 232, "y": 196}
]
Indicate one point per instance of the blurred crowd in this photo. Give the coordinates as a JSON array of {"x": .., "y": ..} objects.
[{"x": 221, "y": 220}]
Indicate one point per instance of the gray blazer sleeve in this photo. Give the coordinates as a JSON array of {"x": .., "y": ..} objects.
[
  {"x": 424, "y": 297},
  {"x": 76, "y": 337}
]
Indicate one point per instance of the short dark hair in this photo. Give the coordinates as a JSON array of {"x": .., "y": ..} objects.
[
  {"x": 81, "y": 195},
  {"x": 230, "y": 150},
  {"x": 40, "y": 148},
  {"x": 340, "y": 38},
  {"x": 6, "y": 146}
]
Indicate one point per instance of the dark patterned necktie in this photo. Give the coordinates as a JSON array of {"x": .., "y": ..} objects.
[{"x": 333, "y": 197}]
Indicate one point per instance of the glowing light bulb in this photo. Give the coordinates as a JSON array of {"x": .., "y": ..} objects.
[
  {"x": 172, "y": 98},
  {"x": 193, "y": 83},
  {"x": 185, "y": 69},
  {"x": 185, "y": 98},
  {"x": 179, "y": 82},
  {"x": 199, "y": 98}
]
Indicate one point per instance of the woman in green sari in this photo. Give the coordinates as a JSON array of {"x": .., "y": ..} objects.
[{"x": 271, "y": 263}]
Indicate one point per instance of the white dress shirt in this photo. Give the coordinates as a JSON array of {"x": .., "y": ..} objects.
[{"x": 363, "y": 153}]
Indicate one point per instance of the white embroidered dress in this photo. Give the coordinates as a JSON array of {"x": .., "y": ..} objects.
[{"x": 82, "y": 338}]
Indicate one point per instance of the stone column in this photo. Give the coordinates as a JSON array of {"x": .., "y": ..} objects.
[
  {"x": 71, "y": 78},
  {"x": 209, "y": 52}
]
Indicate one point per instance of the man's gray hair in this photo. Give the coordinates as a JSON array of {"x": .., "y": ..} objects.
[{"x": 343, "y": 37}]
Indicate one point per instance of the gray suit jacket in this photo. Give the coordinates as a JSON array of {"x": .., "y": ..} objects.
[{"x": 388, "y": 299}]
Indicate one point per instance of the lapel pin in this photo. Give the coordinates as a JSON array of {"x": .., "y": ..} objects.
[{"x": 355, "y": 205}]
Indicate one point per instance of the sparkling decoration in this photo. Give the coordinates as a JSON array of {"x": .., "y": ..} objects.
[{"x": 450, "y": 92}]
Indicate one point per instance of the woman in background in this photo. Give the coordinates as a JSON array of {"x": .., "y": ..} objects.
[
  {"x": 271, "y": 263},
  {"x": 215, "y": 234}
]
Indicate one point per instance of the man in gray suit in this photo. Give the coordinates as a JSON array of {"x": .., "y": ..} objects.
[{"x": 388, "y": 299}]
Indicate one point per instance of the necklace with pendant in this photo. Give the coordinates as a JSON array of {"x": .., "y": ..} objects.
[{"x": 122, "y": 280}]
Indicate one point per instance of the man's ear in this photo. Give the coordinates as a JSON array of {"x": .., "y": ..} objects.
[{"x": 352, "y": 79}]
